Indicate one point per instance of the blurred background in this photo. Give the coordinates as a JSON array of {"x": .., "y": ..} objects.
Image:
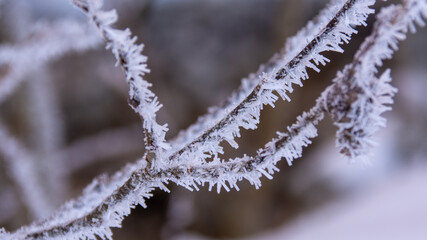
[{"x": 70, "y": 115}]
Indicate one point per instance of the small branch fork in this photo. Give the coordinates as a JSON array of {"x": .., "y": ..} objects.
[{"x": 136, "y": 182}]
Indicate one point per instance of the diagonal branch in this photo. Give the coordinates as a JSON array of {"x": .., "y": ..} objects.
[
  {"x": 292, "y": 46},
  {"x": 102, "y": 206},
  {"x": 356, "y": 103},
  {"x": 247, "y": 112},
  {"x": 129, "y": 57}
]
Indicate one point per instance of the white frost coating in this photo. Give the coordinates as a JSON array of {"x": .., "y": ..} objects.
[
  {"x": 216, "y": 173},
  {"x": 295, "y": 44},
  {"x": 247, "y": 112},
  {"x": 128, "y": 55},
  {"x": 110, "y": 206},
  {"x": 363, "y": 119},
  {"x": 110, "y": 211},
  {"x": 226, "y": 174},
  {"x": 292, "y": 47},
  {"x": 93, "y": 195},
  {"x": 366, "y": 94},
  {"x": 50, "y": 41}
]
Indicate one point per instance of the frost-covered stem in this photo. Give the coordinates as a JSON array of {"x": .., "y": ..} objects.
[
  {"x": 358, "y": 98},
  {"x": 246, "y": 113},
  {"x": 292, "y": 46},
  {"x": 142, "y": 180},
  {"x": 129, "y": 57},
  {"x": 110, "y": 212},
  {"x": 46, "y": 42},
  {"x": 21, "y": 165}
]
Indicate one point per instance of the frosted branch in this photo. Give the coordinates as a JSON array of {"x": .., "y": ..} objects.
[
  {"x": 292, "y": 47},
  {"x": 106, "y": 202},
  {"x": 129, "y": 57},
  {"x": 359, "y": 98},
  {"x": 246, "y": 113},
  {"x": 115, "y": 204}
]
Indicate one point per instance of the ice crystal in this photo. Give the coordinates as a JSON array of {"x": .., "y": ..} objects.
[{"x": 355, "y": 101}]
